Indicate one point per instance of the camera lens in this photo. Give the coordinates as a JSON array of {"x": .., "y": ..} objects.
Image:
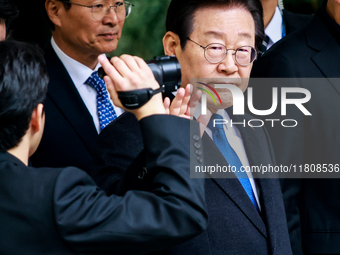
[{"x": 166, "y": 69}]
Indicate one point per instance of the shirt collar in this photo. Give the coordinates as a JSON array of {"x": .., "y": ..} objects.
[
  {"x": 271, "y": 30},
  {"x": 78, "y": 72}
]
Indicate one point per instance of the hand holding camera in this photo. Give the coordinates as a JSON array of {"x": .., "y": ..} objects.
[
  {"x": 128, "y": 73},
  {"x": 133, "y": 95}
]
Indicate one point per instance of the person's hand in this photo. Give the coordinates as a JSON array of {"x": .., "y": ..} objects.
[
  {"x": 126, "y": 73},
  {"x": 184, "y": 105},
  {"x": 180, "y": 104}
]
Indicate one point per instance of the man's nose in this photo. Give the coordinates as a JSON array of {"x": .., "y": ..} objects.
[
  {"x": 111, "y": 16},
  {"x": 228, "y": 64}
]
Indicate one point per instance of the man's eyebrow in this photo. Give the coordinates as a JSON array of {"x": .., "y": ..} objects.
[
  {"x": 221, "y": 35},
  {"x": 215, "y": 34},
  {"x": 244, "y": 34}
]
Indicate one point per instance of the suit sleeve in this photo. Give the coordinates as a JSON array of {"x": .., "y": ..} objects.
[
  {"x": 119, "y": 144},
  {"x": 138, "y": 222}
]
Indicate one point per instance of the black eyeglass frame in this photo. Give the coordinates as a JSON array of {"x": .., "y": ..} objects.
[
  {"x": 225, "y": 53},
  {"x": 91, "y": 6}
]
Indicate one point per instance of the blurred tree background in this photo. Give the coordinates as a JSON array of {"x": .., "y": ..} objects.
[{"x": 143, "y": 30}]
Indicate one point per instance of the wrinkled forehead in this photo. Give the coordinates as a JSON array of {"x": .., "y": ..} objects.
[{"x": 221, "y": 22}]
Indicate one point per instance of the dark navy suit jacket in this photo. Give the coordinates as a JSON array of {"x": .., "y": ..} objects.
[
  {"x": 312, "y": 205},
  {"x": 294, "y": 21},
  {"x": 235, "y": 227},
  {"x": 70, "y": 134}
]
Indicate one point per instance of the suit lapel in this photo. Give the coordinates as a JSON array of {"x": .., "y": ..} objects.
[
  {"x": 231, "y": 186},
  {"x": 321, "y": 40},
  {"x": 64, "y": 94},
  {"x": 322, "y": 58}
]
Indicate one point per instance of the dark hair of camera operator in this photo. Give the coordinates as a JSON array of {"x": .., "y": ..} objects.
[
  {"x": 8, "y": 12},
  {"x": 181, "y": 14},
  {"x": 20, "y": 64}
]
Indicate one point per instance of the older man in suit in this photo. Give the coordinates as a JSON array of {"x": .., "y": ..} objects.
[
  {"x": 61, "y": 210},
  {"x": 246, "y": 216},
  {"x": 76, "y": 95},
  {"x": 311, "y": 204}
]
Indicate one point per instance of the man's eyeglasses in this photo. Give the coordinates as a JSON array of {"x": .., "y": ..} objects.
[
  {"x": 100, "y": 10},
  {"x": 216, "y": 53}
]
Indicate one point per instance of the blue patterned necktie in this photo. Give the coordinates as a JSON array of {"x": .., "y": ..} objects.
[
  {"x": 105, "y": 108},
  {"x": 230, "y": 155}
]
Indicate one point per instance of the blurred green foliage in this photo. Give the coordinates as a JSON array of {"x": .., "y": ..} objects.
[{"x": 145, "y": 27}]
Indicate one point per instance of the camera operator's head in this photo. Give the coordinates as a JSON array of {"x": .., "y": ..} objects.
[
  {"x": 214, "y": 39},
  {"x": 8, "y": 12},
  {"x": 23, "y": 87},
  {"x": 85, "y": 29}
]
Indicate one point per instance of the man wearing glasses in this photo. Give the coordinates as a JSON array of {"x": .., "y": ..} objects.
[
  {"x": 78, "y": 105},
  {"x": 218, "y": 39}
]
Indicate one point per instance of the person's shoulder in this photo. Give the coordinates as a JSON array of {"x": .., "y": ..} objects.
[
  {"x": 295, "y": 21},
  {"x": 72, "y": 174},
  {"x": 44, "y": 174},
  {"x": 28, "y": 177},
  {"x": 289, "y": 44},
  {"x": 282, "y": 56}
]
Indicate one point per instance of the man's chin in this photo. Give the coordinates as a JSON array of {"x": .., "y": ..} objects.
[{"x": 108, "y": 47}]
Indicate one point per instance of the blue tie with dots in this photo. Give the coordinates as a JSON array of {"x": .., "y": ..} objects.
[
  {"x": 230, "y": 155},
  {"x": 105, "y": 108}
]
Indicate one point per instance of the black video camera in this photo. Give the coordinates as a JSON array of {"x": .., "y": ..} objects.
[
  {"x": 166, "y": 69},
  {"x": 167, "y": 72}
]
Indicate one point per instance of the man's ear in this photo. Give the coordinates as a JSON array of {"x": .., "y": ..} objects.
[
  {"x": 171, "y": 43},
  {"x": 38, "y": 119},
  {"x": 36, "y": 128},
  {"x": 52, "y": 8}
]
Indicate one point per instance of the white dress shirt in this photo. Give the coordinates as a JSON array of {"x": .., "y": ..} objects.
[
  {"x": 274, "y": 28},
  {"x": 79, "y": 73}
]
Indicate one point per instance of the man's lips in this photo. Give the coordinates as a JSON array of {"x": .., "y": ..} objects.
[{"x": 108, "y": 35}]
